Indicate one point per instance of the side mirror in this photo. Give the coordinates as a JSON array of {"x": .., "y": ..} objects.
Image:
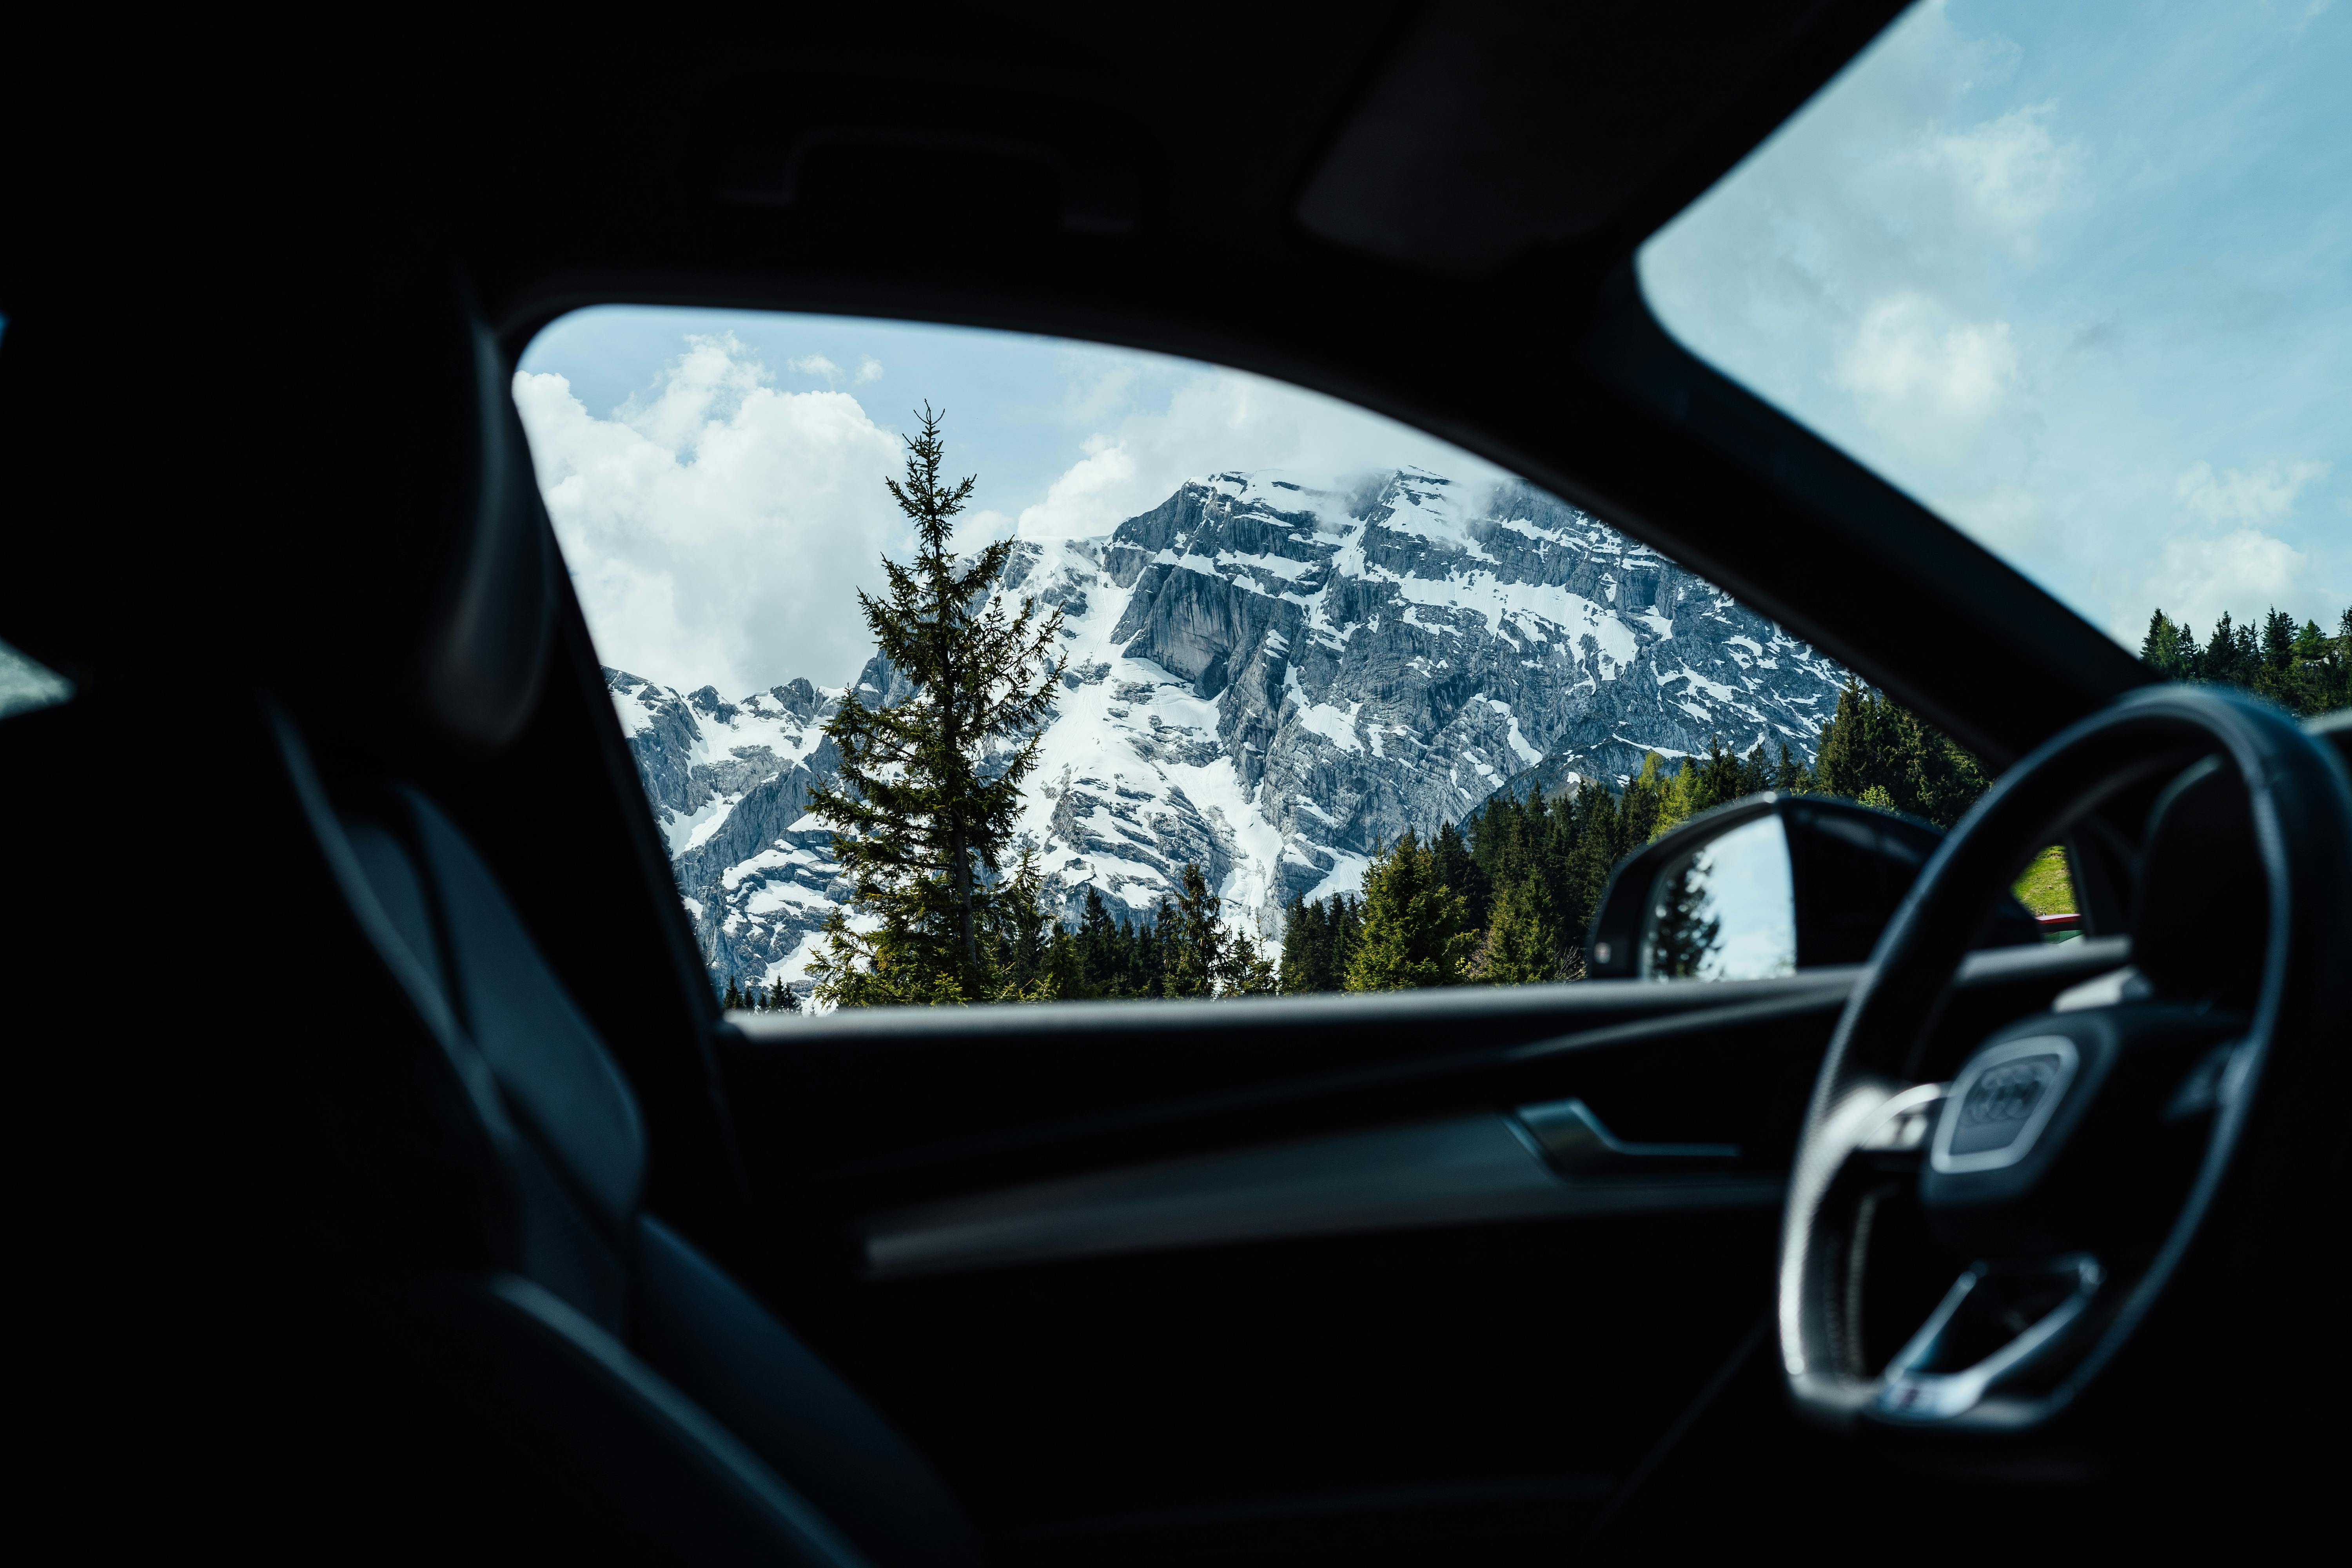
[{"x": 1768, "y": 885}]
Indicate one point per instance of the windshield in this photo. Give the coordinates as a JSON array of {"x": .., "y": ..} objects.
[{"x": 2084, "y": 288}]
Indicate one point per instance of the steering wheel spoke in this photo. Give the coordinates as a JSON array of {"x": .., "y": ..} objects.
[
  {"x": 1998, "y": 1323},
  {"x": 1896, "y": 1138}
]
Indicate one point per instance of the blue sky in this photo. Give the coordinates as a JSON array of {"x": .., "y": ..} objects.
[
  {"x": 2077, "y": 277},
  {"x": 716, "y": 477}
]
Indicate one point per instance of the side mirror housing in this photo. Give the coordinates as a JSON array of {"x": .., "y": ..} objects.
[{"x": 1766, "y": 886}]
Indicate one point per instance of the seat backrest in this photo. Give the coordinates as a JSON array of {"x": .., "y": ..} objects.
[
  {"x": 343, "y": 1252},
  {"x": 671, "y": 1387}
]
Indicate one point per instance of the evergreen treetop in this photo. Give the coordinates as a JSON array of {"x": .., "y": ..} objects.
[
  {"x": 2304, "y": 670},
  {"x": 929, "y": 790},
  {"x": 1416, "y": 928}
]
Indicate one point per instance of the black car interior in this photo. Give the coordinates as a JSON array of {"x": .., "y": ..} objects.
[{"x": 390, "y": 1187}]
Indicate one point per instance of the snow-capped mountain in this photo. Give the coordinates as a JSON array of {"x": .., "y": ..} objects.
[{"x": 1272, "y": 679}]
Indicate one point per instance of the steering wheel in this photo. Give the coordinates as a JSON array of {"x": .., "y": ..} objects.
[{"x": 2090, "y": 1202}]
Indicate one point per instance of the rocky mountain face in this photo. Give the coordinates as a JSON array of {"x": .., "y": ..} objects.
[{"x": 1270, "y": 679}]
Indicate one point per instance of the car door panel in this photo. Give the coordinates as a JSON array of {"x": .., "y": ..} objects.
[{"x": 1141, "y": 1273}]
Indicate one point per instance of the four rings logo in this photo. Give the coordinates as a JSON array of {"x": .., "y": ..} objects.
[
  {"x": 2001, "y": 1104},
  {"x": 2009, "y": 1093}
]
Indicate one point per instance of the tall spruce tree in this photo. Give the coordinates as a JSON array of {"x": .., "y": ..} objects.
[
  {"x": 2170, "y": 648},
  {"x": 920, "y": 824},
  {"x": 1458, "y": 871},
  {"x": 1196, "y": 937},
  {"x": 1792, "y": 777},
  {"x": 1416, "y": 930},
  {"x": 1245, "y": 969},
  {"x": 1523, "y": 942}
]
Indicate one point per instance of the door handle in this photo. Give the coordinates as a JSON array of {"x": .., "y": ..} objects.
[{"x": 1577, "y": 1142}]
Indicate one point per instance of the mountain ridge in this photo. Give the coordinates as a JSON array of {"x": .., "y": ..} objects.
[{"x": 1268, "y": 676}]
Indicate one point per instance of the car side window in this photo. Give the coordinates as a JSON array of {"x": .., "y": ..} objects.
[{"x": 972, "y": 666}]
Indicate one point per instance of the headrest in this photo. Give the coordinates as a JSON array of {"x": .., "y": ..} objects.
[
  {"x": 462, "y": 590},
  {"x": 324, "y": 489}
]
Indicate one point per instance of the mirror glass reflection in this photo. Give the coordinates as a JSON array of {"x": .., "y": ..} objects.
[{"x": 1725, "y": 910}]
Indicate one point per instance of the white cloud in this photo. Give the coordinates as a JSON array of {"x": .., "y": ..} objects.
[
  {"x": 2244, "y": 572},
  {"x": 2008, "y": 173},
  {"x": 2251, "y": 495},
  {"x": 1925, "y": 376},
  {"x": 869, "y": 369},
  {"x": 1226, "y": 419},
  {"x": 717, "y": 527},
  {"x": 815, "y": 365},
  {"x": 1094, "y": 493},
  {"x": 2200, "y": 572}
]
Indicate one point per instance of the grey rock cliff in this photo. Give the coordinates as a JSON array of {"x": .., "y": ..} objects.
[{"x": 1270, "y": 679}]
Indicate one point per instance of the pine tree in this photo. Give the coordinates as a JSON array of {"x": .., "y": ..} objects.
[
  {"x": 1020, "y": 937},
  {"x": 1719, "y": 779},
  {"x": 734, "y": 998},
  {"x": 1524, "y": 943},
  {"x": 1684, "y": 934},
  {"x": 1674, "y": 788},
  {"x": 1347, "y": 934},
  {"x": 1102, "y": 952},
  {"x": 1945, "y": 778},
  {"x": 1603, "y": 838},
  {"x": 2222, "y": 662},
  {"x": 1863, "y": 746},
  {"x": 1416, "y": 932},
  {"x": 1331, "y": 930},
  {"x": 1246, "y": 970},
  {"x": 1459, "y": 872},
  {"x": 1637, "y": 813},
  {"x": 2336, "y": 691},
  {"x": 1792, "y": 777},
  {"x": 1304, "y": 945},
  {"x": 1878, "y": 751},
  {"x": 1195, "y": 935},
  {"x": 1155, "y": 951},
  {"x": 919, "y": 822},
  {"x": 2170, "y": 649}
]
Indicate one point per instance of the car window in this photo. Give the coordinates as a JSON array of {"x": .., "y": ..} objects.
[
  {"x": 2084, "y": 289},
  {"x": 1279, "y": 695}
]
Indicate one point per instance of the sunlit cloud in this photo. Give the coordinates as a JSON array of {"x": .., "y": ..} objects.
[
  {"x": 718, "y": 528},
  {"x": 2259, "y": 494},
  {"x": 2242, "y": 573},
  {"x": 1925, "y": 376}
]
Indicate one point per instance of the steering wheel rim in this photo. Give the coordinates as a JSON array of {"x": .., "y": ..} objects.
[{"x": 2290, "y": 1060}]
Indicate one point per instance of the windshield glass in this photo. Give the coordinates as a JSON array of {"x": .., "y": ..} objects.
[{"x": 2081, "y": 284}]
